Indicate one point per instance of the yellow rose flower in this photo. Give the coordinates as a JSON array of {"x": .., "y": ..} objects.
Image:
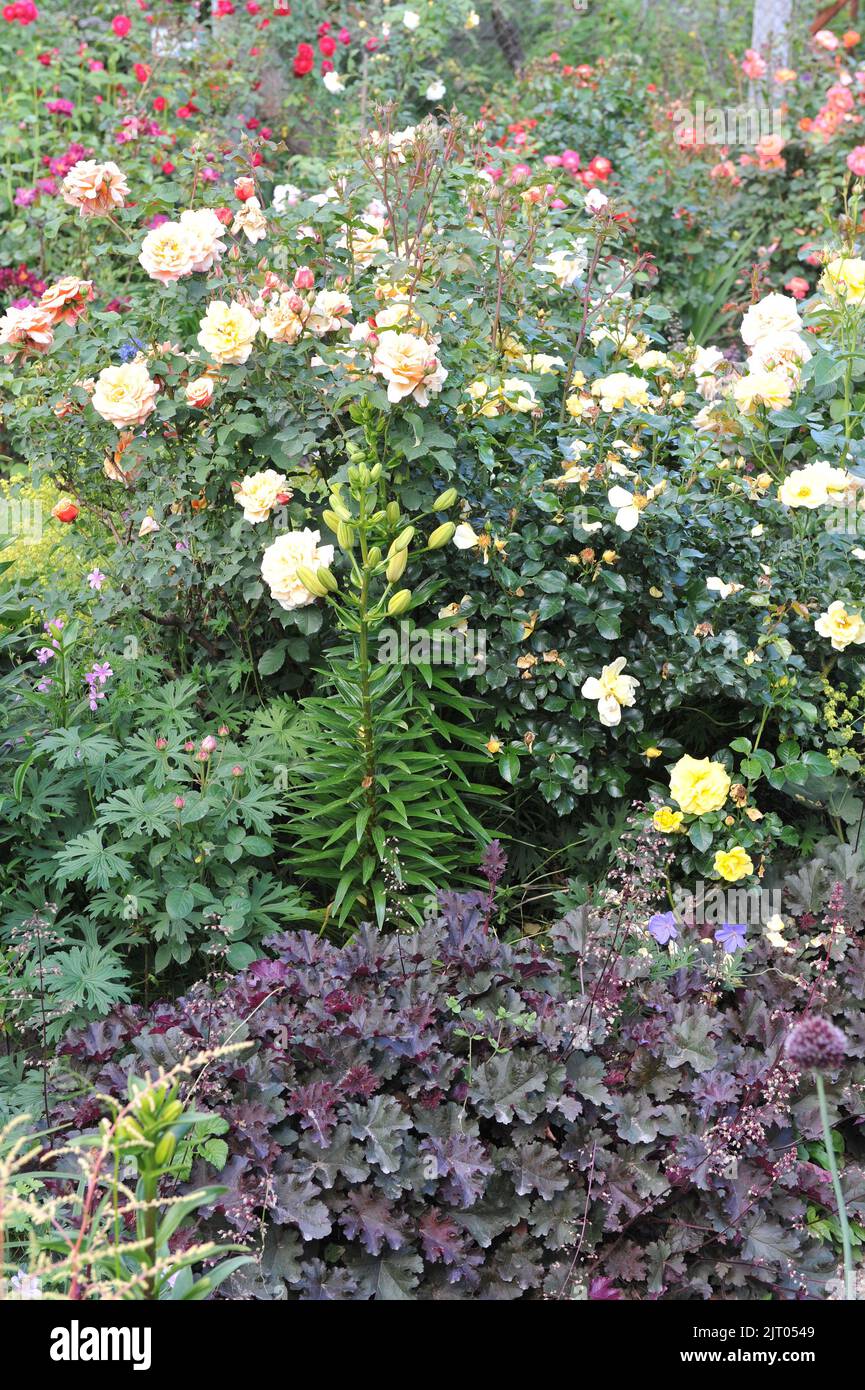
[
  {"x": 774, "y": 390},
  {"x": 168, "y": 253},
  {"x": 844, "y": 276},
  {"x": 840, "y": 626},
  {"x": 227, "y": 332},
  {"x": 699, "y": 785},
  {"x": 667, "y": 820},
  {"x": 733, "y": 864},
  {"x": 259, "y": 493},
  {"x": 620, "y": 389},
  {"x": 125, "y": 395}
]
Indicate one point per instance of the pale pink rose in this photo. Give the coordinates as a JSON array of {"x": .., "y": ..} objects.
[
  {"x": 753, "y": 65},
  {"x": 203, "y": 228},
  {"x": 95, "y": 189},
  {"x": 824, "y": 38},
  {"x": 797, "y": 286},
  {"x": 856, "y": 161}
]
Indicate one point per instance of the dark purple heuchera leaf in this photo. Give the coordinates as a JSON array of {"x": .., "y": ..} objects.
[
  {"x": 368, "y": 1217},
  {"x": 387, "y": 1162}
]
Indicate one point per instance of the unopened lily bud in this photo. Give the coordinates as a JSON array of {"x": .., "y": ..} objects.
[
  {"x": 325, "y": 577},
  {"x": 330, "y": 519},
  {"x": 341, "y": 510},
  {"x": 391, "y": 511},
  {"x": 375, "y": 473},
  {"x": 399, "y": 603},
  {"x": 345, "y": 535},
  {"x": 403, "y": 540},
  {"x": 172, "y": 1112},
  {"x": 396, "y": 566},
  {"x": 374, "y": 556},
  {"x": 164, "y": 1151},
  {"x": 310, "y": 582},
  {"x": 441, "y": 535},
  {"x": 446, "y": 500}
]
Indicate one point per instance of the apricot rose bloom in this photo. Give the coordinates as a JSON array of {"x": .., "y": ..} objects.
[
  {"x": 281, "y": 561},
  {"x": 167, "y": 253},
  {"x": 125, "y": 395},
  {"x": 699, "y": 785},
  {"x": 66, "y": 300},
  {"x": 409, "y": 365},
  {"x": 733, "y": 864},
  {"x": 27, "y": 330},
  {"x": 259, "y": 493},
  {"x": 199, "y": 393},
  {"x": 95, "y": 189},
  {"x": 284, "y": 318},
  {"x": 227, "y": 332}
]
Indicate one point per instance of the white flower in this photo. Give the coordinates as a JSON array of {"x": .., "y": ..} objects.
[
  {"x": 259, "y": 493},
  {"x": 566, "y": 267},
  {"x": 775, "y": 928},
  {"x": 333, "y": 82},
  {"x": 148, "y": 527},
  {"x": 250, "y": 220},
  {"x": 281, "y": 561},
  {"x": 410, "y": 19},
  {"x": 612, "y": 690},
  {"x": 203, "y": 228},
  {"x": 596, "y": 201},
  {"x": 286, "y": 195},
  {"x": 464, "y": 537},
  {"x": 776, "y": 313},
  {"x": 436, "y": 90},
  {"x": 627, "y": 512},
  {"x": 718, "y": 586}
]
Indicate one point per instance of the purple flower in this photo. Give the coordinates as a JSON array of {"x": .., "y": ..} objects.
[
  {"x": 96, "y": 579},
  {"x": 44, "y": 655},
  {"x": 44, "y": 684},
  {"x": 662, "y": 927},
  {"x": 731, "y": 936},
  {"x": 101, "y": 672},
  {"x": 815, "y": 1044},
  {"x": 24, "y": 197}
]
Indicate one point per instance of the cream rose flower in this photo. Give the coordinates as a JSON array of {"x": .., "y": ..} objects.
[
  {"x": 284, "y": 318},
  {"x": 774, "y": 390},
  {"x": 95, "y": 189},
  {"x": 840, "y": 627},
  {"x": 204, "y": 229},
  {"x": 699, "y": 785},
  {"x": 806, "y": 487},
  {"x": 167, "y": 253},
  {"x": 27, "y": 330},
  {"x": 125, "y": 395},
  {"x": 409, "y": 365},
  {"x": 250, "y": 220},
  {"x": 620, "y": 389},
  {"x": 565, "y": 267},
  {"x": 259, "y": 493},
  {"x": 199, "y": 393},
  {"x": 782, "y": 351},
  {"x": 612, "y": 690},
  {"x": 227, "y": 332},
  {"x": 776, "y": 313},
  {"x": 280, "y": 563},
  {"x": 330, "y": 309}
]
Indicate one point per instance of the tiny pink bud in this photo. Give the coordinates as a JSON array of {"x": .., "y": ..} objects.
[
  {"x": 208, "y": 743},
  {"x": 179, "y": 802},
  {"x": 237, "y": 771},
  {"x": 303, "y": 278},
  {"x": 162, "y": 743}
]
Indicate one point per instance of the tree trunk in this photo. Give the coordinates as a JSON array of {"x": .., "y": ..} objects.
[
  {"x": 770, "y": 36},
  {"x": 508, "y": 37}
]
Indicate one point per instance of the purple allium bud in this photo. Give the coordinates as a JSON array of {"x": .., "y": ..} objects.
[{"x": 815, "y": 1044}]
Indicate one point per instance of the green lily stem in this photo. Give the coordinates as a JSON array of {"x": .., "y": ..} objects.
[
  {"x": 846, "y": 1244},
  {"x": 150, "y": 1189}
]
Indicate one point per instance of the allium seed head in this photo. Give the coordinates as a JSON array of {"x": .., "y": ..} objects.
[{"x": 815, "y": 1044}]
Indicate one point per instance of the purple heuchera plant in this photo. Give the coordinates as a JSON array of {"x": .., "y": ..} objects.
[{"x": 445, "y": 1115}]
